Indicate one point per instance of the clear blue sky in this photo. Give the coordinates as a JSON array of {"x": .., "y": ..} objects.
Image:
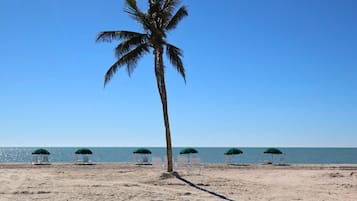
[{"x": 259, "y": 73}]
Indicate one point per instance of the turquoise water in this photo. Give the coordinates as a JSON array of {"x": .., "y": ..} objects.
[{"x": 207, "y": 155}]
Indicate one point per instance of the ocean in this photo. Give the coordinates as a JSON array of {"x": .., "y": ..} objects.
[{"x": 206, "y": 154}]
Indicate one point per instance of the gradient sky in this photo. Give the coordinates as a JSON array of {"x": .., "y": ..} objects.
[{"x": 259, "y": 73}]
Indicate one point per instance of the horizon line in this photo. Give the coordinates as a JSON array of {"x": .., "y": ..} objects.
[{"x": 32, "y": 146}]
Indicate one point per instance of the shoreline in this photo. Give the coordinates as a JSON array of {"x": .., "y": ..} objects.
[{"x": 204, "y": 165}]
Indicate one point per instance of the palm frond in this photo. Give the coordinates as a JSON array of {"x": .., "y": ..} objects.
[
  {"x": 174, "y": 54},
  {"x": 139, "y": 16},
  {"x": 180, "y": 14},
  {"x": 129, "y": 44},
  {"x": 170, "y": 5},
  {"x": 168, "y": 9},
  {"x": 132, "y": 4},
  {"x": 130, "y": 60},
  {"x": 109, "y": 36}
]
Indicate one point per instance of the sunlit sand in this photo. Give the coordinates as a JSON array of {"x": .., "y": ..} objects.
[{"x": 121, "y": 181}]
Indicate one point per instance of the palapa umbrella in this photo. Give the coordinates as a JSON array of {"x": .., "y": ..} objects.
[
  {"x": 273, "y": 151},
  {"x": 231, "y": 152},
  {"x": 188, "y": 151},
  {"x": 143, "y": 152}
]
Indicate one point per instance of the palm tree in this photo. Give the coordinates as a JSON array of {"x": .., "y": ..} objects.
[{"x": 159, "y": 19}]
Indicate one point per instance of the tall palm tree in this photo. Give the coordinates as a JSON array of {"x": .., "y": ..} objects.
[{"x": 161, "y": 17}]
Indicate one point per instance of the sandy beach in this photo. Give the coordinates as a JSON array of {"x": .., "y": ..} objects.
[{"x": 62, "y": 182}]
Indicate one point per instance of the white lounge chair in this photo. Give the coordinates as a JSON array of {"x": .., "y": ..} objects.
[{"x": 196, "y": 164}]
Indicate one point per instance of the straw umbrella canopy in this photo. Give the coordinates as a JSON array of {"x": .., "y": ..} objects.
[
  {"x": 83, "y": 151},
  {"x": 41, "y": 152},
  {"x": 273, "y": 151}
]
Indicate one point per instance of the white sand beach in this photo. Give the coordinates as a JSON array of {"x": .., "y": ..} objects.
[{"x": 62, "y": 182}]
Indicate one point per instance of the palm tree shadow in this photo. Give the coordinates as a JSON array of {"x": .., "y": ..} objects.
[{"x": 200, "y": 188}]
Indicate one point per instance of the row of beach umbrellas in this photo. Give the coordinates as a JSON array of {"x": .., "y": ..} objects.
[
  {"x": 189, "y": 150},
  {"x": 45, "y": 152},
  {"x": 144, "y": 151},
  {"x": 40, "y": 156}
]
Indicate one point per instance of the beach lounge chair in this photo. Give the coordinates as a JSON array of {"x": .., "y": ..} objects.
[
  {"x": 40, "y": 157},
  {"x": 282, "y": 162},
  {"x": 142, "y": 156},
  {"x": 45, "y": 159},
  {"x": 81, "y": 157},
  {"x": 40, "y": 160},
  {"x": 35, "y": 160},
  {"x": 85, "y": 159},
  {"x": 182, "y": 162},
  {"x": 196, "y": 164}
]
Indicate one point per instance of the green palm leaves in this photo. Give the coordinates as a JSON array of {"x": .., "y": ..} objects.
[{"x": 158, "y": 19}]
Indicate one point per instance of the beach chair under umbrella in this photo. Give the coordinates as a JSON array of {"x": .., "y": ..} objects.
[
  {"x": 40, "y": 157},
  {"x": 142, "y": 156},
  {"x": 272, "y": 151},
  {"x": 230, "y": 153},
  {"x": 188, "y": 151},
  {"x": 190, "y": 162},
  {"x": 81, "y": 156}
]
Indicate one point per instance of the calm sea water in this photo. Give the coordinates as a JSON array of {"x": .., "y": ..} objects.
[{"x": 207, "y": 155}]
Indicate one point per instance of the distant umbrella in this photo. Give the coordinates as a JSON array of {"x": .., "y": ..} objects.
[
  {"x": 142, "y": 151},
  {"x": 83, "y": 151},
  {"x": 272, "y": 151},
  {"x": 40, "y": 157},
  {"x": 41, "y": 152},
  {"x": 233, "y": 151},
  {"x": 81, "y": 156},
  {"x": 141, "y": 156},
  {"x": 188, "y": 150},
  {"x": 230, "y": 153}
]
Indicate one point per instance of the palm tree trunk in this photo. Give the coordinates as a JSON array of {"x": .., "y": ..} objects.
[{"x": 160, "y": 78}]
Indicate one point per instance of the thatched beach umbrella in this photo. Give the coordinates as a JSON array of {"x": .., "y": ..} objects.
[
  {"x": 273, "y": 151},
  {"x": 141, "y": 156},
  {"x": 40, "y": 156},
  {"x": 231, "y": 152},
  {"x": 84, "y": 152},
  {"x": 188, "y": 151}
]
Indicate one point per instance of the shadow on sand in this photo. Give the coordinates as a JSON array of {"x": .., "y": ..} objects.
[{"x": 200, "y": 188}]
